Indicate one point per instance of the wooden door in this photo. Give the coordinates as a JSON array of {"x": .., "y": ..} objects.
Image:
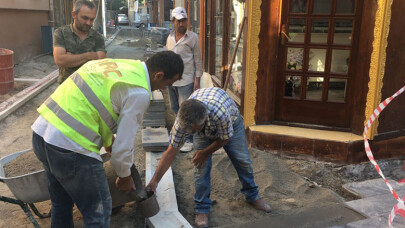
[{"x": 318, "y": 38}]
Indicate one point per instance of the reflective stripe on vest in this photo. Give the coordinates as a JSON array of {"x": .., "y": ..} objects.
[
  {"x": 95, "y": 101},
  {"x": 73, "y": 123}
]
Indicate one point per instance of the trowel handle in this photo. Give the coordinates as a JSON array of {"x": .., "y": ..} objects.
[{"x": 140, "y": 190}]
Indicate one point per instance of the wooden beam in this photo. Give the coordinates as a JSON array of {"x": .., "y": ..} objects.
[{"x": 36, "y": 89}]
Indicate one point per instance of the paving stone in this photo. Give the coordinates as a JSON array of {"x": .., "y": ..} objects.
[
  {"x": 155, "y": 139},
  {"x": 378, "y": 205},
  {"x": 372, "y": 187},
  {"x": 156, "y": 108},
  {"x": 154, "y": 116},
  {"x": 154, "y": 123}
]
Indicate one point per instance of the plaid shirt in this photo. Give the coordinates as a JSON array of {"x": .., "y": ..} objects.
[{"x": 222, "y": 113}]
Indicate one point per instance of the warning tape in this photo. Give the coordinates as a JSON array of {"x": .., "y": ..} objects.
[{"x": 399, "y": 208}]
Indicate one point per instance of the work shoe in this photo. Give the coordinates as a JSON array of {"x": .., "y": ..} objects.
[
  {"x": 187, "y": 147},
  {"x": 201, "y": 220},
  {"x": 261, "y": 205}
]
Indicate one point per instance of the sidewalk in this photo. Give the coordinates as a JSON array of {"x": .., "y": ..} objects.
[{"x": 376, "y": 203}]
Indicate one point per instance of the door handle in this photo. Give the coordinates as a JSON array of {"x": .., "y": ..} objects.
[{"x": 284, "y": 36}]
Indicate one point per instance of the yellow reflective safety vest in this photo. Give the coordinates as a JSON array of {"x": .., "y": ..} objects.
[{"x": 81, "y": 106}]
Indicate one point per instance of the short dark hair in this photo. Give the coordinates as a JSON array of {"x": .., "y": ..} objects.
[
  {"x": 79, "y": 3},
  {"x": 167, "y": 62},
  {"x": 192, "y": 112}
]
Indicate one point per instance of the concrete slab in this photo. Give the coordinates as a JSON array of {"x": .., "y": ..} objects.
[
  {"x": 372, "y": 187},
  {"x": 155, "y": 139},
  {"x": 154, "y": 116},
  {"x": 156, "y": 108},
  {"x": 378, "y": 205},
  {"x": 154, "y": 123},
  {"x": 168, "y": 215}
]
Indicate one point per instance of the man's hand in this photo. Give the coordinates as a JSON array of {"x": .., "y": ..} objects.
[
  {"x": 152, "y": 186},
  {"x": 196, "y": 83},
  {"x": 125, "y": 184},
  {"x": 199, "y": 158},
  {"x": 109, "y": 148}
]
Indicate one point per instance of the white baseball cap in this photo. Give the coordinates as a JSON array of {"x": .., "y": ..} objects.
[{"x": 179, "y": 13}]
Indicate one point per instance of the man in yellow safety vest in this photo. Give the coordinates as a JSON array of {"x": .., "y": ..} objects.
[{"x": 102, "y": 98}]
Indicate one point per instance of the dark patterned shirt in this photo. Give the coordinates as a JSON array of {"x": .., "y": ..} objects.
[
  {"x": 65, "y": 37},
  {"x": 222, "y": 113}
]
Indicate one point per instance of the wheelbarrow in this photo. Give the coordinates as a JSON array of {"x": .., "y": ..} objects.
[{"x": 28, "y": 188}]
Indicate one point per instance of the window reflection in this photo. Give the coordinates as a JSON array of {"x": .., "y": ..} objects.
[
  {"x": 317, "y": 60},
  {"x": 345, "y": 6},
  {"x": 295, "y": 57},
  {"x": 314, "y": 88},
  {"x": 321, "y": 6},
  {"x": 340, "y": 61},
  {"x": 194, "y": 18},
  {"x": 298, "y": 6},
  {"x": 337, "y": 89},
  {"x": 296, "y": 30},
  {"x": 292, "y": 86},
  {"x": 319, "y": 31},
  {"x": 235, "y": 80},
  {"x": 343, "y": 32},
  {"x": 218, "y": 39}
]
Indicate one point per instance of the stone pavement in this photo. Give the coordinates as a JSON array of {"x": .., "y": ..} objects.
[{"x": 376, "y": 203}]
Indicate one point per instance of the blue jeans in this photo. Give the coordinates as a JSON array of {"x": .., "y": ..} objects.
[
  {"x": 74, "y": 179},
  {"x": 177, "y": 95},
  {"x": 238, "y": 153}
]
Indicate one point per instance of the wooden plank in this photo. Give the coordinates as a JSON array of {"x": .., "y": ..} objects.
[
  {"x": 43, "y": 84},
  {"x": 169, "y": 215}
]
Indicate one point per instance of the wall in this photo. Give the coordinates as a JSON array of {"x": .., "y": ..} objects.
[
  {"x": 21, "y": 31},
  {"x": 25, "y": 4},
  {"x": 392, "y": 119}
]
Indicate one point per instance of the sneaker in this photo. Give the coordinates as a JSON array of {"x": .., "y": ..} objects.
[{"x": 187, "y": 147}]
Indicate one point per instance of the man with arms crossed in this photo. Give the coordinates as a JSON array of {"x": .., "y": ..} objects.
[{"x": 77, "y": 43}]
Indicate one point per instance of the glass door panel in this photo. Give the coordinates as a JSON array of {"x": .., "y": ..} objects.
[
  {"x": 236, "y": 15},
  {"x": 314, "y": 88},
  {"x": 340, "y": 61},
  {"x": 218, "y": 39},
  {"x": 298, "y": 6},
  {"x": 345, "y": 6},
  {"x": 292, "y": 86},
  {"x": 319, "y": 31},
  {"x": 296, "y": 28},
  {"x": 337, "y": 89},
  {"x": 317, "y": 60},
  {"x": 295, "y": 57},
  {"x": 343, "y": 32},
  {"x": 321, "y": 7}
]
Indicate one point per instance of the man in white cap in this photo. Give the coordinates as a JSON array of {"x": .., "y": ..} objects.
[{"x": 185, "y": 43}]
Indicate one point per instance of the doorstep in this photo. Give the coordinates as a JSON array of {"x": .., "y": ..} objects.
[{"x": 325, "y": 145}]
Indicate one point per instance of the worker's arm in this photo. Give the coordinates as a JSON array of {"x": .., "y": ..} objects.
[
  {"x": 130, "y": 103},
  {"x": 201, "y": 156},
  {"x": 164, "y": 164},
  {"x": 66, "y": 59}
]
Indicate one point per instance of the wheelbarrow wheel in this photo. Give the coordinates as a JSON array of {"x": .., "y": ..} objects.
[{"x": 41, "y": 215}]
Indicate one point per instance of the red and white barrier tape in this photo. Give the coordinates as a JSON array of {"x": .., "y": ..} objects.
[{"x": 399, "y": 208}]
